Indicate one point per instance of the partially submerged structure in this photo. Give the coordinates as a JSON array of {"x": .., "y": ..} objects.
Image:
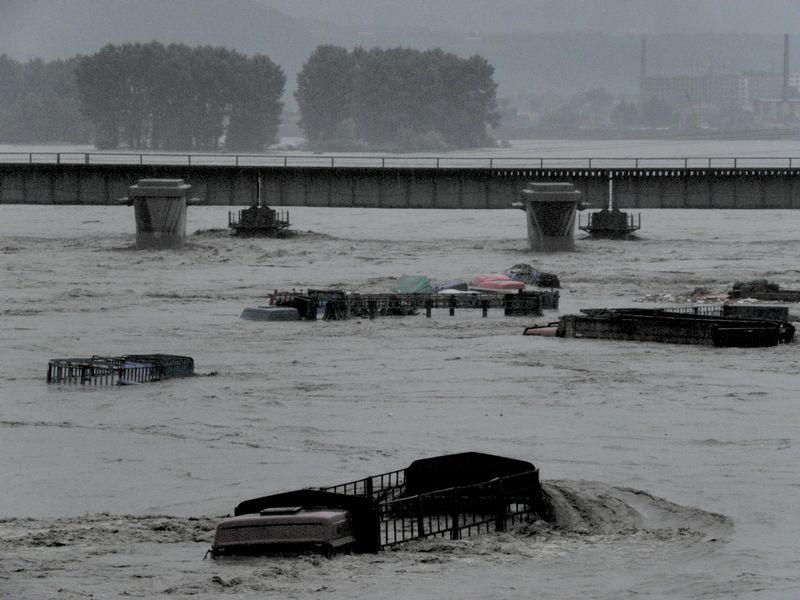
[
  {"x": 550, "y": 215},
  {"x": 119, "y": 370},
  {"x": 610, "y": 224},
  {"x": 160, "y": 209},
  {"x": 716, "y": 326},
  {"x": 450, "y": 496},
  {"x": 339, "y": 305},
  {"x": 761, "y": 289},
  {"x": 260, "y": 220}
]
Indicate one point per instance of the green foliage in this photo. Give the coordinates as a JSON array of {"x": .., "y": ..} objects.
[
  {"x": 397, "y": 97},
  {"x": 180, "y": 98},
  {"x": 39, "y": 102},
  {"x": 324, "y": 89}
]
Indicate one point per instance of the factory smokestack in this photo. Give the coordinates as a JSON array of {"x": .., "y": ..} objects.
[
  {"x": 642, "y": 69},
  {"x": 785, "y": 92}
]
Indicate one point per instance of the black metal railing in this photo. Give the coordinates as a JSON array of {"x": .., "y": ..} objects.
[
  {"x": 461, "y": 511},
  {"x": 132, "y": 368},
  {"x": 398, "y": 162}
]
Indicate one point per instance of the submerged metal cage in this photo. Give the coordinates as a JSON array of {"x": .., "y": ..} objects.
[
  {"x": 119, "y": 370},
  {"x": 340, "y": 305},
  {"x": 461, "y": 511},
  {"x": 449, "y": 496}
]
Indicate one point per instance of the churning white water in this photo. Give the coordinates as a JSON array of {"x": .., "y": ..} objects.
[{"x": 674, "y": 468}]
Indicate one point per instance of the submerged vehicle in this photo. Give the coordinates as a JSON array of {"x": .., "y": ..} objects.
[
  {"x": 445, "y": 496},
  {"x": 290, "y": 528}
]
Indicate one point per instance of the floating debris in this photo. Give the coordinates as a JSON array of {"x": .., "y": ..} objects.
[
  {"x": 716, "y": 326},
  {"x": 271, "y": 313},
  {"x": 528, "y": 275},
  {"x": 495, "y": 282},
  {"x": 120, "y": 370},
  {"x": 451, "y": 496},
  {"x": 761, "y": 289},
  {"x": 413, "y": 284},
  {"x": 333, "y": 305}
]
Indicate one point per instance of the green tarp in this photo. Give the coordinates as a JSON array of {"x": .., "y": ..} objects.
[{"x": 413, "y": 284}]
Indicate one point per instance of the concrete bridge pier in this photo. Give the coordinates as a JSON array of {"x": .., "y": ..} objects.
[
  {"x": 160, "y": 209},
  {"x": 550, "y": 213}
]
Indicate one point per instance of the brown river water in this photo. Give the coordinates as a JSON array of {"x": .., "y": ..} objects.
[{"x": 674, "y": 468}]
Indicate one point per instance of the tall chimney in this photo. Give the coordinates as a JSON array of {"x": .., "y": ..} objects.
[
  {"x": 642, "y": 69},
  {"x": 785, "y": 92}
]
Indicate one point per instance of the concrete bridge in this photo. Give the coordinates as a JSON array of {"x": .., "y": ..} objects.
[{"x": 402, "y": 181}]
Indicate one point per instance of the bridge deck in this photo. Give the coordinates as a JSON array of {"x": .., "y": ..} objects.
[{"x": 413, "y": 181}]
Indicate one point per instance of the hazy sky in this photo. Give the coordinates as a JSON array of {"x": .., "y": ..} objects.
[
  {"x": 289, "y": 30},
  {"x": 612, "y": 16}
]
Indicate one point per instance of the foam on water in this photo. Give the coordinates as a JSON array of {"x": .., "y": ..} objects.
[{"x": 294, "y": 404}]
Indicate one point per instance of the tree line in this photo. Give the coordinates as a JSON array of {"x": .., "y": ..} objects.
[
  {"x": 39, "y": 102},
  {"x": 175, "y": 97},
  {"x": 396, "y": 97},
  {"x": 151, "y": 96}
]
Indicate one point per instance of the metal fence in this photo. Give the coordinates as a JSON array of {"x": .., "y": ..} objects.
[
  {"x": 453, "y": 512},
  {"x": 460, "y": 511},
  {"x": 383, "y": 487},
  {"x": 397, "y": 162},
  {"x": 132, "y": 368}
]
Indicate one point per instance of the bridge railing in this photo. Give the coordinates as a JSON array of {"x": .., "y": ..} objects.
[{"x": 398, "y": 162}]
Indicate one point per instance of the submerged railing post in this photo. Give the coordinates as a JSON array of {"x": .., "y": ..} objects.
[
  {"x": 452, "y": 304},
  {"x": 484, "y": 307},
  {"x": 420, "y": 518},
  {"x": 455, "y": 532},
  {"x": 500, "y": 510}
]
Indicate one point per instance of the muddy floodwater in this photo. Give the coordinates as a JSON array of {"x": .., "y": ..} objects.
[{"x": 674, "y": 468}]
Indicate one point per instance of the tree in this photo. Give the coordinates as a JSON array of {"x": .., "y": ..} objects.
[
  {"x": 255, "y": 106},
  {"x": 398, "y": 96},
  {"x": 180, "y": 98},
  {"x": 324, "y": 91}
]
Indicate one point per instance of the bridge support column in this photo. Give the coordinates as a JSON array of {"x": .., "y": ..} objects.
[
  {"x": 160, "y": 209},
  {"x": 550, "y": 212}
]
